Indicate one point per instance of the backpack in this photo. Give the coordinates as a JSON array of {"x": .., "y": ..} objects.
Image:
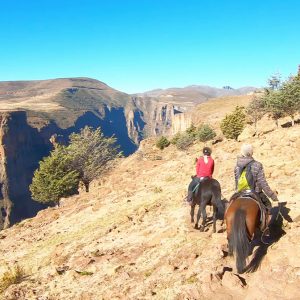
[{"x": 246, "y": 180}]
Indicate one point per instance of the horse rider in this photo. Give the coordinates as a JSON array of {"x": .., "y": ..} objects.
[
  {"x": 254, "y": 177},
  {"x": 204, "y": 169}
]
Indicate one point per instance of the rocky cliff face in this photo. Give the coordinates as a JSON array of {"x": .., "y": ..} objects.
[
  {"x": 159, "y": 116},
  {"x": 181, "y": 122},
  {"x": 23, "y": 146}
]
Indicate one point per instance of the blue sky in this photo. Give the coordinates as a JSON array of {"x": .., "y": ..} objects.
[{"x": 139, "y": 45}]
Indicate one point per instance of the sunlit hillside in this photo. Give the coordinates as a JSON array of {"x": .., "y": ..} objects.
[{"x": 131, "y": 236}]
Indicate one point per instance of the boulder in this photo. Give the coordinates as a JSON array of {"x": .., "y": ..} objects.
[
  {"x": 248, "y": 132},
  {"x": 265, "y": 125}
]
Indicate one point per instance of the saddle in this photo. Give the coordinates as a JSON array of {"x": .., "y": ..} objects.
[
  {"x": 254, "y": 197},
  {"x": 196, "y": 188}
]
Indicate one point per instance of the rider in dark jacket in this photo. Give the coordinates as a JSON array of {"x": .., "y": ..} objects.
[
  {"x": 261, "y": 186},
  {"x": 204, "y": 169}
]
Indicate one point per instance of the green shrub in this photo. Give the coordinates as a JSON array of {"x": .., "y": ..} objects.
[
  {"x": 233, "y": 124},
  {"x": 184, "y": 141},
  {"x": 175, "y": 138},
  {"x": 256, "y": 109},
  {"x": 286, "y": 100},
  {"x": 205, "y": 133},
  {"x": 88, "y": 155},
  {"x": 55, "y": 178},
  {"x": 192, "y": 130},
  {"x": 91, "y": 153},
  {"x": 162, "y": 143}
]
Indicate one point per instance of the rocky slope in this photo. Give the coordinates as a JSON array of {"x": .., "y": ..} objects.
[
  {"x": 131, "y": 237},
  {"x": 210, "y": 112}
]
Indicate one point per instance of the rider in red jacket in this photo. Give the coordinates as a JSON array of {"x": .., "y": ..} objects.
[
  {"x": 205, "y": 164},
  {"x": 204, "y": 168}
]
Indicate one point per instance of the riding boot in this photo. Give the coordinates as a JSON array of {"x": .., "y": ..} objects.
[
  {"x": 268, "y": 206},
  {"x": 191, "y": 189},
  {"x": 189, "y": 197}
]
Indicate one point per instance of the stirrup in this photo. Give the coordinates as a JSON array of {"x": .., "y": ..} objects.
[{"x": 266, "y": 232}]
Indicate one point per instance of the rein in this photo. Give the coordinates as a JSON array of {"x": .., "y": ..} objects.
[{"x": 277, "y": 216}]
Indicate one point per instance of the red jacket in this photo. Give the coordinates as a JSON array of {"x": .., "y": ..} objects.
[{"x": 205, "y": 169}]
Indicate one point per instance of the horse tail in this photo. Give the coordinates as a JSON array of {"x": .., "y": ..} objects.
[
  {"x": 239, "y": 240},
  {"x": 220, "y": 205},
  {"x": 216, "y": 198}
]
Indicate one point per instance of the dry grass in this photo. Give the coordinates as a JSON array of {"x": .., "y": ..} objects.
[
  {"x": 12, "y": 276},
  {"x": 210, "y": 112},
  {"x": 131, "y": 234}
]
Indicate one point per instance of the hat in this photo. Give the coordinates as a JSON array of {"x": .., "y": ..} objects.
[
  {"x": 246, "y": 150},
  {"x": 206, "y": 151}
]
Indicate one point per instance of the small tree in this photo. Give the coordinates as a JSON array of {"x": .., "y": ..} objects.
[
  {"x": 54, "y": 178},
  {"x": 271, "y": 104},
  {"x": 290, "y": 98},
  {"x": 275, "y": 82},
  {"x": 162, "y": 143},
  {"x": 175, "y": 138},
  {"x": 184, "y": 141},
  {"x": 205, "y": 133},
  {"x": 256, "y": 109},
  {"x": 192, "y": 130},
  {"x": 91, "y": 153},
  {"x": 285, "y": 101},
  {"x": 233, "y": 124}
]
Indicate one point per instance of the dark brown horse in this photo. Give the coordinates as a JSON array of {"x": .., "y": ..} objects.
[
  {"x": 209, "y": 193},
  {"x": 242, "y": 219}
]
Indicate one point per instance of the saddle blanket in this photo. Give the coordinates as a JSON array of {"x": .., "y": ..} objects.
[{"x": 254, "y": 197}]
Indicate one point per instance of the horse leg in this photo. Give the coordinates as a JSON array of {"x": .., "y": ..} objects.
[
  {"x": 214, "y": 219},
  {"x": 192, "y": 212},
  {"x": 204, "y": 216},
  {"x": 198, "y": 217}
]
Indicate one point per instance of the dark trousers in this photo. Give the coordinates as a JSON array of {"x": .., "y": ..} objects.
[
  {"x": 265, "y": 200},
  {"x": 192, "y": 187}
]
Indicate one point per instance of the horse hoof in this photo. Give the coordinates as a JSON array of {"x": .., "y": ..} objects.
[
  {"x": 201, "y": 228},
  {"x": 196, "y": 226}
]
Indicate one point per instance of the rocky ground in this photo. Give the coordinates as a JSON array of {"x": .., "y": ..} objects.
[{"x": 131, "y": 236}]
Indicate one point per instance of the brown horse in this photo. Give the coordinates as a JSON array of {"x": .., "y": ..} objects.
[{"x": 242, "y": 219}]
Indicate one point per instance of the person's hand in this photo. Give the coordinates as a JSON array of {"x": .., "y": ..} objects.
[{"x": 275, "y": 198}]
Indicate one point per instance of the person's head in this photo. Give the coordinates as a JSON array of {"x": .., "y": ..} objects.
[
  {"x": 247, "y": 150},
  {"x": 206, "y": 151}
]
